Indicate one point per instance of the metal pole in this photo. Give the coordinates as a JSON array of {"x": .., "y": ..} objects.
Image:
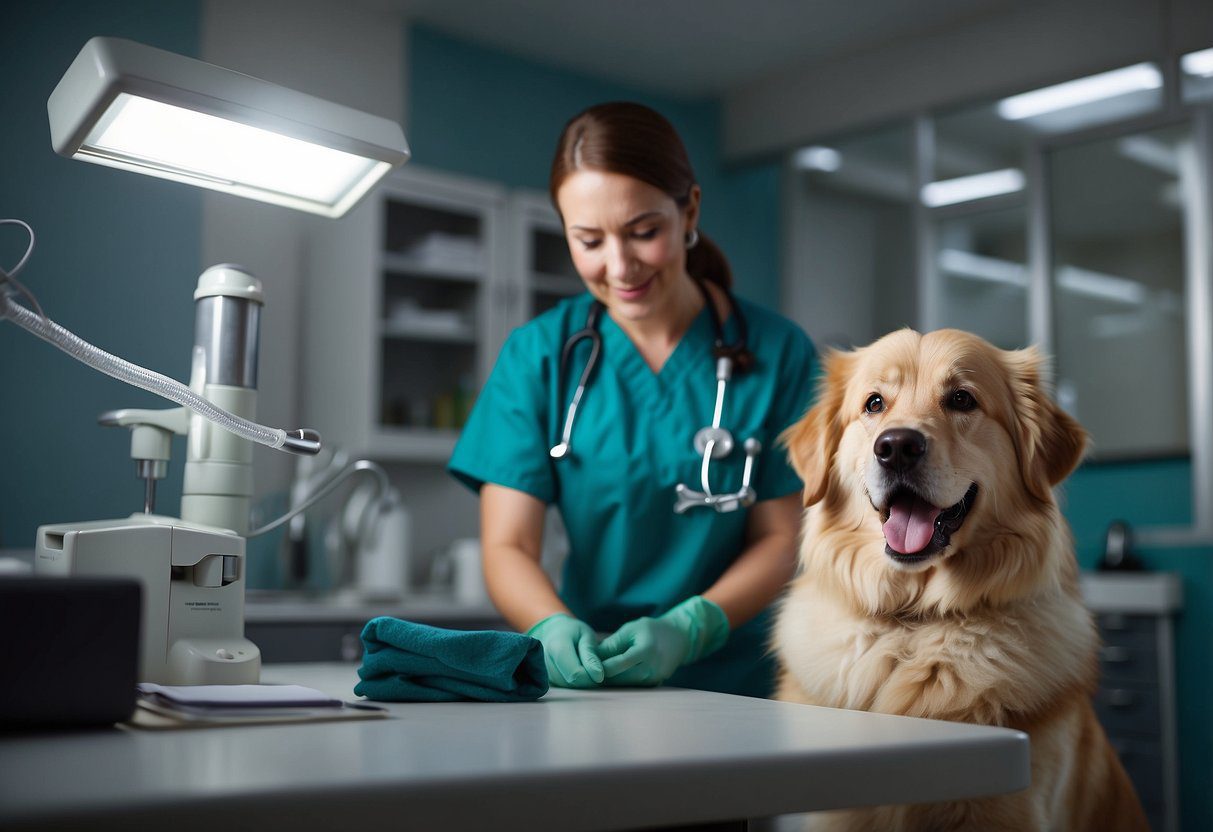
[{"x": 929, "y": 299}]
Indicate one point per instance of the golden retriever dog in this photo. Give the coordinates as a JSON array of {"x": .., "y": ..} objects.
[{"x": 937, "y": 576}]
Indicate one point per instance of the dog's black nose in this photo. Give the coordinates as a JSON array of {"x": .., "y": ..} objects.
[{"x": 899, "y": 449}]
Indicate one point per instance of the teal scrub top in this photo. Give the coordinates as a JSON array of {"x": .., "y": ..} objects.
[{"x": 630, "y": 555}]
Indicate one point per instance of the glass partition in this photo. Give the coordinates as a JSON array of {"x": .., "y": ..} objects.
[
  {"x": 1196, "y": 76},
  {"x": 1075, "y": 216},
  {"x": 1118, "y": 276},
  {"x": 981, "y": 258},
  {"x": 850, "y": 256}
]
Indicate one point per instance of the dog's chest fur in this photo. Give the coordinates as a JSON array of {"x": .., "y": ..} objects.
[{"x": 997, "y": 667}]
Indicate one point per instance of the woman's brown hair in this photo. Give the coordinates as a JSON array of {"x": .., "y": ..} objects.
[{"x": 634, "y": 140}]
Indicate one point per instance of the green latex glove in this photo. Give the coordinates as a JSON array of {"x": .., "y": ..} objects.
[
  {"x": 647, "y": 651},
  {"x": 568, "y": 651}
]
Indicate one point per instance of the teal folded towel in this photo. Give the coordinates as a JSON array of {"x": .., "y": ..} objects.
[{"x": 408, "y": 662}]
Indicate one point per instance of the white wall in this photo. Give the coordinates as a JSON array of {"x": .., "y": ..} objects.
[
  {"x": 831, "y": 269},
  {"x": 340, "y": 52},
  {"x": 849, "y": 265},
  {"x": 1028, "y": 45},
  {"x": 354, "y": 56}
]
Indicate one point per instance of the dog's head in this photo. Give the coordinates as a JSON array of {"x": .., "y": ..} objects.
[{"x": 928, "y": 464}]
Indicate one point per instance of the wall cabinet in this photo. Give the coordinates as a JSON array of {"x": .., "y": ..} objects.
[
  {"x": 404, "y": 315},
  {"x": 406, "y": 303},
  {"x": 542, "y": 271},
  {"x": 408, "y": 300}
]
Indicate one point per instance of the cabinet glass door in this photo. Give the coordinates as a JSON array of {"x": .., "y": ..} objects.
[
  {"x": 433, "y": 278},
  {"x": 552, "y": 277},
  {"x": 1119, "y": 216},
  {"x": 977, "y": 218},
  {"x": 981, "y": 260},
  {"x": 850, "y": 258}
]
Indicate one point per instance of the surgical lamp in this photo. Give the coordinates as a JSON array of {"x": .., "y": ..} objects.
[
  {"x": 130, "y": 106},
  {"x": 133, "y": 107}
]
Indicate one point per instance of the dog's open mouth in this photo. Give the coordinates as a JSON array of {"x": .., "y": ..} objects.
[{"x": 914, "y": 530}]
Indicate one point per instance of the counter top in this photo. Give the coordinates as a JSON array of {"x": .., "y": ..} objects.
[
  {"x": 574, "y": 760},
  {"x": 1128, "y": 592},
  {"x": 1132, "y": 592}
]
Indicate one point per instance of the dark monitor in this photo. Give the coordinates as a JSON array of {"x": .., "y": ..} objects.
[{"x": 71, "y": 650}]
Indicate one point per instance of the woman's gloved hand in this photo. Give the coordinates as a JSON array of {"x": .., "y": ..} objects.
[
  {"x": 568, "y": 651},
  {"x": 647, "y": 651}
]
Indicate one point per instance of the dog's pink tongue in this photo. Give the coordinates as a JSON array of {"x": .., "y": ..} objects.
[{"x": 911, "y": 524}]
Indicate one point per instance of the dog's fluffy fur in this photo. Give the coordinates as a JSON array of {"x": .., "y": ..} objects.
[{"x": 988, "y": 629}]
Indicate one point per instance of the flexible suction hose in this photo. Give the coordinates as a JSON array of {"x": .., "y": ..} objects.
[{"x": 298, "y": 441}]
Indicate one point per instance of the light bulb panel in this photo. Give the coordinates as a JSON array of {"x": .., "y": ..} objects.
[{"x": 134, "y": 107}]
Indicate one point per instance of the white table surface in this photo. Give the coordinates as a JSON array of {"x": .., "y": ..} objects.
[{"x": 575, "y": 760}]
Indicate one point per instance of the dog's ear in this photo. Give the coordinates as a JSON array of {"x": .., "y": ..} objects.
[
  {"x": 812, "y": 441},
  {"x": 1049, "y": 442}
]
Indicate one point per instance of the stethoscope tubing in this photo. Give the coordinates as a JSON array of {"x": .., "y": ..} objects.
[
  {"x": 588, "y": 332},
  {"x": 716, "y": 441}
]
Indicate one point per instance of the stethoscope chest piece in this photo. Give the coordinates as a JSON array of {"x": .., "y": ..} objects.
[
  {"x": 721, "y": 441},
  {"x": 687, "y": 498}
]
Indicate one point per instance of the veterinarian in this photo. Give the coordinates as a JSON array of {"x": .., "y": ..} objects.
[{"x": 595, "y": 406}]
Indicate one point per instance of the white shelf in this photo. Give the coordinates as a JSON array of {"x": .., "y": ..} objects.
[
  {"x": 420, "y": 332},
  {"x": 408, "y": 266}
]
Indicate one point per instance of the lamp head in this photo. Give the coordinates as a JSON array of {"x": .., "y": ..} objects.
[{"x": 131, "y": 106}]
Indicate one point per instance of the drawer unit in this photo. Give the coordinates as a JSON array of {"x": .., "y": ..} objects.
[
  {"x": 1127, "y": 663},
  {"x": 1143, "y": 761},
  {"x": 1135, "y": 701},
  {"x": 1128, "y": 629},
  {"x": 1128, "y": 710}
]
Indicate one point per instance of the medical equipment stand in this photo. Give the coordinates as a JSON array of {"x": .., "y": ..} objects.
[{"x": 193, "y": 568}]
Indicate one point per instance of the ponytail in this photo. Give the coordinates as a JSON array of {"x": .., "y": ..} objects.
[{"x": 706, "y": 262}]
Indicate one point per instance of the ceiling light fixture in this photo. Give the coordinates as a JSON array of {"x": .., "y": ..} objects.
[
  {"x": 1144, "y": 76},
  {"x": 969, "y": 188}
]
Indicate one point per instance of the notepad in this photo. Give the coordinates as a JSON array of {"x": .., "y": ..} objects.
[
  {"x": 244, "y": 696},
  {"x": 200, "y": 706}
]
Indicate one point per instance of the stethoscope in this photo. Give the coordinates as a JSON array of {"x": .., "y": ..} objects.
[{"x": 713, "y": 441}]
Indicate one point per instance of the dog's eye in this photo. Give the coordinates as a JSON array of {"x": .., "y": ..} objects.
[
  {"x": 961, "y": 400},
  {"x": 875, "y": 403}
]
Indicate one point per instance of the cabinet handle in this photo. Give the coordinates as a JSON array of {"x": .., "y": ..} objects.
[
  {"x": 351, "y": 647},
  {"x": 1121, "y": 698},
  {"x": 1113, "y": 654}
]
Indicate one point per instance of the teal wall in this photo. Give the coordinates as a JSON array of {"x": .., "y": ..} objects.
[
  {"x": 1148, "y": 493},
  {"x": 116, "y": 259},
  {"x": 487, "y": 114}
]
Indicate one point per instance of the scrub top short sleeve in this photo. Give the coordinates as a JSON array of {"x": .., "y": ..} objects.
[
  {"x": 505, "y": 439},
  {"x": 797, "y": 370}
]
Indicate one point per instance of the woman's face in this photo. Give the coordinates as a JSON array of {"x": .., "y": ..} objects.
[{"x": 627, "y": 239}]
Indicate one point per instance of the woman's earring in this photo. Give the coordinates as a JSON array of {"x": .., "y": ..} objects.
[{"x": 692, "y": 238}]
